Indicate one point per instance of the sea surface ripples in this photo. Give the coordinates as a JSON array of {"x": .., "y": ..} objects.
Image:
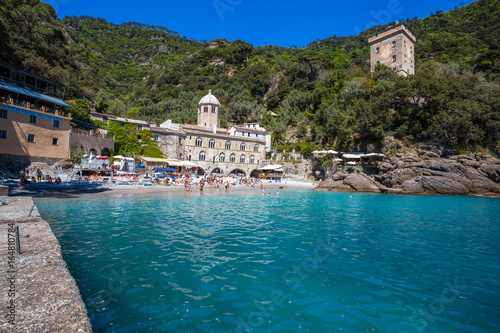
[{"x": 299, "y": 262}]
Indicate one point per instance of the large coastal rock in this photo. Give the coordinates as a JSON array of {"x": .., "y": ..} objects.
[
  {"x": 427, "y": 169},
  {"x": 342, "y": 181}
]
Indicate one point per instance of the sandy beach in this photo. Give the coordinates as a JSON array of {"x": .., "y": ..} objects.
[{"x": 92, "y": 190}]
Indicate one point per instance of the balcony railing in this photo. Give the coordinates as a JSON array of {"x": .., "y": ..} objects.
[
  {"x": 94, "y": 133},
  {"x": 32, "y": 106}
]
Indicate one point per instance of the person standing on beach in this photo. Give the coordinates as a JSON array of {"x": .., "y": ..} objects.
[
  {"x": 201, "y": 187},
  {"x": 39, "y": 175}
]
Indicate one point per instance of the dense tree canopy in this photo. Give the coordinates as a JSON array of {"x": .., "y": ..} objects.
[{"x": 323, "y": 94}]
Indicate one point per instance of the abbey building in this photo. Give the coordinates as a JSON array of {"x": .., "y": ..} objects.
[{"x": 239, "y": 149}]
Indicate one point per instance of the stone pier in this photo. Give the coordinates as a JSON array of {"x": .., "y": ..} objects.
[{"x": 37, "y": 292}]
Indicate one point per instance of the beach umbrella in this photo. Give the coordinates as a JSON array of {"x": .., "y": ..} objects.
[
  {"x": 103, "y": 158},
  {"x": 351, "y": 163},
  {"x": 332, "y": 152},
  {"x": 315, "y": 152}
]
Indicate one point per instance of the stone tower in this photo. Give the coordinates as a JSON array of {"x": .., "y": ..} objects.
[
  {"x": 209, "y": 111},
  {"x": 394, "y": 48}
]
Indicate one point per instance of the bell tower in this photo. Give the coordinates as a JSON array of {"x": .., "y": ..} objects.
[{"x": 209, "y": 111}]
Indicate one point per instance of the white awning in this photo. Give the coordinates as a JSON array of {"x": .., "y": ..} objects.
[
  {"x": 373, "y": 155},
  {"x": 352, "y": 156},
  {"x": 351, "y": 163},
  {"x": 274, "y": 167},
  {"x": 188, "y": 164},
  {"x": 332, "y": 152}
]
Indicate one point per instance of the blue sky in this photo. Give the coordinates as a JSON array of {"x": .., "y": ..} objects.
[{"x": 283, "y": 23}]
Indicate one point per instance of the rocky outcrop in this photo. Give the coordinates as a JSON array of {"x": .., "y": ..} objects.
[
  {"x": 427, "y": 169},
  {"x": 342, "y": 181}
]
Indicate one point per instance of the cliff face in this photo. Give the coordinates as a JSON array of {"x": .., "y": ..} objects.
[{"x": 425, "y": 170}]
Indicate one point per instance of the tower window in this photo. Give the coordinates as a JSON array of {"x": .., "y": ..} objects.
[
  {"x": 378, "y": 62},
  {"x": 205, "y": 109},
  {"x": 394, "y": 58},
  {"x": 214, "y": 109},
  {"x": 377, "y": 50},
  {"x": 393, "y": 43}
]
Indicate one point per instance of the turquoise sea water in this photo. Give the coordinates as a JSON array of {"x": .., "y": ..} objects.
[{"x": 300, "y": 262}]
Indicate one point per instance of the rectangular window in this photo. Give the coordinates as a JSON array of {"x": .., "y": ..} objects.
[
  {"x": 54, "y": 141},
  {"x": 3, "y": 114},
  {"x": 33, "y": 119},
  {"x": 377, "y": 50},
  {"x": 393, "y": 43},
  {"x": 56, "y": 123},
  {"x": 3, "y": 134},
  {"x": 157, "y": 137},
  {"x": 31, "y": 137},
  {"x": 123, "y": 125},
  {"x": 105, "y": 120},
  {"x": 139, "y": 127},
  {"x": 393, "y": 58},
  {"x": 378, "y": 62}
]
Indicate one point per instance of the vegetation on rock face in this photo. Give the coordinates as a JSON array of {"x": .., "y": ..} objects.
[{"x": 323, "y": 94}]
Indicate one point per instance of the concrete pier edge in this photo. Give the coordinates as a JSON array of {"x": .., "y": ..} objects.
[{"x": 37, "y": 292}]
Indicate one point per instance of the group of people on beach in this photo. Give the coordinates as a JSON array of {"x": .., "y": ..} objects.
[{"x": 26, "y": 179}]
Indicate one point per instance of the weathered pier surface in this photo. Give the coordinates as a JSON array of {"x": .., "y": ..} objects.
[{"x": 37, "y": 292}]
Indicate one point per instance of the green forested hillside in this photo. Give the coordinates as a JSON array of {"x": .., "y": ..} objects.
[{"x": 323, "y": 94}]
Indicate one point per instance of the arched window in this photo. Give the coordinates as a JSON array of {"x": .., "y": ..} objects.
[
  {"x": 198, "y": 142},
  {"x": 252, "y": 159},
  {"x": 242, "y": 159},
  {"x": 222, "y": 157},
  {"x": 211, "y": 143},
  {"x": 105, "y": 152},
  {"x": 242, "y": 146},
  {"x": 214, "y": 109},
  {"x": 93, "y": 152},
  {"x": 228, "y": 144},
  {"x": 205, "y": 109},
  {"x": 232, "y": 158},
  {"x": 256, "y": 148},
  {"x": 202, "y": 156}
]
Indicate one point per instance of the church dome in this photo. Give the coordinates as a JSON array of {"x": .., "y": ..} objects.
[{"x": 209, "y": 99}]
